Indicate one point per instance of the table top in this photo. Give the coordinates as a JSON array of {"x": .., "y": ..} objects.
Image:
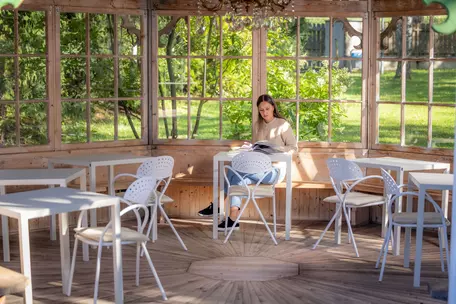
[
  {"x": 99, "y": 159},
  {"x": 17, "y": 177},
  {"x": 393, "y": 163},
  {"x": 228, "y": 155},
  {"x": 436, "y": 181},
  {"x": 44, "y": 202}
]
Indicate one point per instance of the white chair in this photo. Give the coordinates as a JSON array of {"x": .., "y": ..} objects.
[
  {"x": 251, "y": 163},
  {"x": 162, "y": 168},
  {"x": 434, "y": 219},
  {"x": 346, "y": 174},
  {"x": 136, "y": 197}
]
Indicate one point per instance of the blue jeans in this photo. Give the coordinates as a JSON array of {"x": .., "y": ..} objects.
[{"x": 249, "y": 179}]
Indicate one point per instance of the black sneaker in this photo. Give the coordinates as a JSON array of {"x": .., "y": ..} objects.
[
  {"x": 208, "y": 211},
  {"x": 221, "y": 226}
]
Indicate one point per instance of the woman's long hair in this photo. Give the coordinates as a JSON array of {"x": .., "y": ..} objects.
[{"x": 268, "y": 99}]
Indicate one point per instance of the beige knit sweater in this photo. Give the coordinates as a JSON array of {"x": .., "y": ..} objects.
[{"x": 278, "y": 131}]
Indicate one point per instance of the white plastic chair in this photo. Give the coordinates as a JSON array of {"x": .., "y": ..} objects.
[
  {"x": 162, "y": 168},
  {"x": 136, "y": 197},
  {"x": 346, "y": 174},
  {"x": 409, "y": 220},
  {"x": 251, "y": 163}
]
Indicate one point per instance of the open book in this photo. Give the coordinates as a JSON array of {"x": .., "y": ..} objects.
[{"x": 263, "y": 146}]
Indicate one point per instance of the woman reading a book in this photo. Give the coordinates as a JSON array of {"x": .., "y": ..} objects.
[{"x": 270, "y": 127}]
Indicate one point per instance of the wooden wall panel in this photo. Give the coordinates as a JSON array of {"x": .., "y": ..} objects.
[
  {"x": 102, "y": 4},
  {"x": 402, "y": 5}
]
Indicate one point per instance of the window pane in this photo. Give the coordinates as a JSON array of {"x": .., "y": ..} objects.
[
  {"x": 313, "y": 121},
  {"x": 443, "y": 121},
  {"x": 7, "y": 77},
  {"x": 101, "y": 77},
  {"x": 7, "y": 125},
  {"x": 390, "y": 45},
  {"x": 173, "y": 41},
  {"x": 444, "y": 45},
  {"x": 32, "y": 78},
  {"x": 32, "y": 32},
  {"x": 347, "y": 80},
  {"x": 74, "y": 126},
  {"x": 34, "y": 123},
  {"x": 204, "y": 77},
  {"x": 417, "y": 82},
  {"x": 204, "y": 35},
  {"x": 346, "y": 122},
  {"x": 343, "y": 44},
  {"x": 390, "y": 81},
  {"x": 72, "y": 33},
  {"x": 101, "y": 34},
  {"x": 444, "y": 82},
  {"x": 313, "y": 80},
  {"x": 129, "y": 120},
  {"x": 236, "y": 43},
  {"x": 205, "y": 119},
  {"x": 288, "y": 111},
  {"x": 389, "y": 124},
  {"x": 237, "y": 78},
  {"x": 172, "y": 77},
  {"x": 73, "y": 78},
  {"x": 6, "y": 32},
  {"x": 312, "y": 35},
  {"x": 129, "y": 34},
  {"x": 281, "y": 40},
  {"x": 172, "y": 122},
  {"x": 102, "y": 121},
  {"x": 417, "y": 38},
  {"x": 130, "y": 78},
  {"x": 416, "y": 125},
  {"x": 237, "y": 120},
  {"x": 281, "y": 78}
]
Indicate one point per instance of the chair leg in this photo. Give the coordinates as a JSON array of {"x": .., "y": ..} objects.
[
  {"x": 442, "y": 262},
  {"x": 227, "y": 212},
  {"x": 349, "y": 236},
  {"x": 154, "y": 272},
  {"x": 274, "y": 218},
  {"x": 408, "y": 237},
  {"x": 336, "y": 214},
  {"x": 447, "y": 252},
  {"x": 264, "y": 221},
  {"x": 73, "y": 261},
  {"x": 138, "y": 253},
  {"x": 237, "y": 220},
  {"x": 350, "y": 232},
  {"x": 149, "y": 229},
  {"x": 385, "y": 246},
  {"x": 172, "y": 227},
  {"x": 385, "y": 252},
  {"x": 97, "y": 275}
]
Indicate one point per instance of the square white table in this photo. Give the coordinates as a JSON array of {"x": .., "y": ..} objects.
[
  {"x": 218, "y": 178},
  {"x": 399, "y": 165},
  {"x": 92, "y": 161},
  {"x": 24, "y": 206},
  {"x": 31, "y": 177},
  {"x": 424, "y": 182}
]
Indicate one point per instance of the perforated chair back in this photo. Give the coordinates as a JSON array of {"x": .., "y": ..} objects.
[
  {"x": 251, "y": 162},
  {"x": 391, "y": 187},
  {"x": 140, "y": 191},
  {"x": 161, "y": 167},
  {"x": 341, "y": 169}
]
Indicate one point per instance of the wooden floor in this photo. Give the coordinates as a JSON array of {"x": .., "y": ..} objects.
[{"x": 329, "y": 274}]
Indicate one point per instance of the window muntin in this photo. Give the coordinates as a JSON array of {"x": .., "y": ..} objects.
[
  {"x": 416, "y": 84},
  {"x": 24, "y": 100},
  {"x": 101, "y": 77}
]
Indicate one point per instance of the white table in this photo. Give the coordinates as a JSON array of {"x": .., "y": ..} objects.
[
  {"x": 218, "y": 163},
  {"x": 29, "y": 177},
  {"x": 399, "y": 165},
  {"x": 24, "y": 206},
  {"x": 92, "y": 161},
  {"x": 424, "y": 182}
]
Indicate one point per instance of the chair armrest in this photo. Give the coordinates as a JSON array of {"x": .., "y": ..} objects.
[
  {"x": 123, "y": 175},
  {"x": 350, "y": 188}
]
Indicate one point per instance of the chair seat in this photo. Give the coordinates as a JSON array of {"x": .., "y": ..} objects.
[
  {"x": 261, "y": 191},
  {"x": 357, "y": 199},
  {"x": 164, "y": 200},
  {"x": 126, "y": 234},
  {"x": 410, "y": 218},
  {"x": 12, "y": 281}
]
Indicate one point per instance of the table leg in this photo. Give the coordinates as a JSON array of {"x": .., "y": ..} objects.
[
  {"x": 111, "y": 188},
  {"x": 222, "y": 191},
  {"x": 444, "y": 208},
  {"x": 288, "y": 201},
  {"x": 24, "y": 248},
  {"x": 117, "y": 254},
  {"x": 93, "y": 188},
  {"x": 5, "y": 232},
  {"x": 65, "y": 261},
  {"x": 215, "y": 205},
  {"x": 452, "y": 270},
  {"x": 338, "y": 226},
  {"x": 398, "y": 209},
  {"x": 419, "y": 238},
  {"x": 85, "y": 247},
  {"x": 52, "y": 219},
  {"x": 408, "y": 231}
]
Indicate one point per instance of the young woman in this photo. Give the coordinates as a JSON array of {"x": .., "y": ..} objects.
[{"x": 271, "y": 126}]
